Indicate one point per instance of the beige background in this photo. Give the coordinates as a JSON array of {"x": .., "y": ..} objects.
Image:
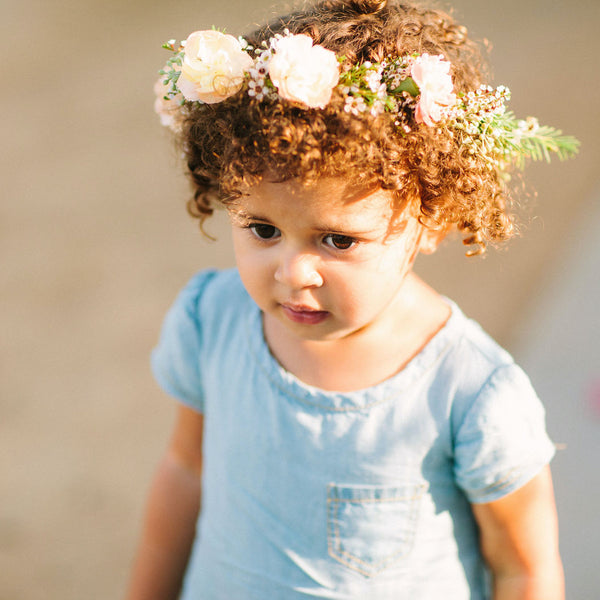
[{"x": 95, "y": 243}]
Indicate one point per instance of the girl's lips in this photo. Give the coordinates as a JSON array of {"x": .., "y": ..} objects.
[{"x": 304, "y": 315}]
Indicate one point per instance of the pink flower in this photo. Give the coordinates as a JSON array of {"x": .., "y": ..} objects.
[
  {"x": 432, "y": 76},
  {"x": 303, "y": 72},
  {"x": 166, "y": 106}
]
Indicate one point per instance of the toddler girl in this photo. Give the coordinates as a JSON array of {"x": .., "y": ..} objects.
[{"x": 343, "y": 430}]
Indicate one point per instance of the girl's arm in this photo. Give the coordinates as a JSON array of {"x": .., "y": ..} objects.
[
  {"x": 519, "y": 541},
  {"x": 172, "y": 510}
]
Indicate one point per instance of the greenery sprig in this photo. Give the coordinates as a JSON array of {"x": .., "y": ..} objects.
[{"x": 485, "y": 127}]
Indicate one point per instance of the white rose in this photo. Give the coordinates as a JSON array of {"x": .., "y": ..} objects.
[
  {"x": 213, "y": 66},
  {"x": 303, "y": 72}
]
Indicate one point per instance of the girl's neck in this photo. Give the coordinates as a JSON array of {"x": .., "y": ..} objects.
[{"x": 368, "y": 357}]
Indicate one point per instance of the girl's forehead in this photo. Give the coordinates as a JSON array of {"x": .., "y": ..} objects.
[
  {"x": 329, "y": 193},
  {"x": 331, "y": 203}
]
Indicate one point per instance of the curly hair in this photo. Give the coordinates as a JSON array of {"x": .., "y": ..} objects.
[{"x": 231, "y": 145}]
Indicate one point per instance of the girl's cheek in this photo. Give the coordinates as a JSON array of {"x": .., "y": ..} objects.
[{"x": 392, "y": 260}]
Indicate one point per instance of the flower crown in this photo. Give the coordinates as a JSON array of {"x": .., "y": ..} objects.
[{"x": 210, "y": 66}]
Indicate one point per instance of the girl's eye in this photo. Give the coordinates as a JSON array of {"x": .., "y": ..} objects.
[
  {"x": 339, "y": 242},
  {"x": 264, "y": 231}
]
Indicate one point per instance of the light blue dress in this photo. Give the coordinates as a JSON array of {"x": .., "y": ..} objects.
[{"x": 362, "y": 495}]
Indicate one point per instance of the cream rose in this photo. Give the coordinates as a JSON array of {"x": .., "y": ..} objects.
[
  {"x": 432, "y": 76},
  {"x": 302, "y": 72},
  {"x": 213, "y": 66}
]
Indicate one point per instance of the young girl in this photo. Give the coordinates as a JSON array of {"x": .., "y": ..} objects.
[{"x": 344, "y": 431}]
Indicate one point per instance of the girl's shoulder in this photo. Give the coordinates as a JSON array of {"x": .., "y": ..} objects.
[
  {"x": 478, "y": 365},
  {"x": 206, "y": 313},
  {"x": 211, "y": 288},
  {"x": 211, "y": 306},
  {"x": 475, "y": 341},
  {"x": 212, "y": 279}
]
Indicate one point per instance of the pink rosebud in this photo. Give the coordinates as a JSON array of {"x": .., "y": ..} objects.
[
  {"x": 167, "y": 106},
  {"x": 432, "y": 76}
]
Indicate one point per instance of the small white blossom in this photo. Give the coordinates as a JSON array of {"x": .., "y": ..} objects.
[
  {"x": 377, "y": 109},
  {"x": 373, "y": 79}
]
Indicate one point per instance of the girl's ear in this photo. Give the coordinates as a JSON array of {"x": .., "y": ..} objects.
[{"x": 431, "y": 239}]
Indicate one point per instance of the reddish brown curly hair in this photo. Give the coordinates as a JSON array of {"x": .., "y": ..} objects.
[{"x": 231, "y": 145}]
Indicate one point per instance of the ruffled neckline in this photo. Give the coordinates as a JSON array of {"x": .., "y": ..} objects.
[{"x": 363, "y": 399}]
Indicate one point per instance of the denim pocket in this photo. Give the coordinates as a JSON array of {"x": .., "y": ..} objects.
[{"x": 371, "y": 527}]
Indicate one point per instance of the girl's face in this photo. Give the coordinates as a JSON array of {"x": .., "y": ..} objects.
[{"x": 321, "y": 261}]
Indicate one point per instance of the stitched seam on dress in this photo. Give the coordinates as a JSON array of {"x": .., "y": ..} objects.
[
  {"x": 335, "y": 549},
  {"x": 513, "y": 475},
  {"x": 374, "y": 566},
  {"x": 375, "y": 500}
]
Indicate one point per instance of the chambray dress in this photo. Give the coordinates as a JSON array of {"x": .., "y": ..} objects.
[{"x": 363, "y": 495}]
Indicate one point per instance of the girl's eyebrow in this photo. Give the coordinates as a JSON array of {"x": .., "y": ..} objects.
[
  {"x": 244, "y": 215},
  {"x": 358, "y": 227},
  {"x": 349, "y": 231}
]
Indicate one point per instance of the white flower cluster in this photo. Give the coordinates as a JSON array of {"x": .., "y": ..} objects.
[
  {"x": 375, "y": 104},
  {"x": 257, "y": 85},
  {"x": 478, "y": 119}
]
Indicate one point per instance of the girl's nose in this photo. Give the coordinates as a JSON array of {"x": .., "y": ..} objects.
[{"x": 298, "y": 270}]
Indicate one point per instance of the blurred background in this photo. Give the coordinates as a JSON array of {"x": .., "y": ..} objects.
[{"x": 95, "y": 243}]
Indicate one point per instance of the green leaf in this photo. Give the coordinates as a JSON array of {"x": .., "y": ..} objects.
[{"x": 407, "y": 85}]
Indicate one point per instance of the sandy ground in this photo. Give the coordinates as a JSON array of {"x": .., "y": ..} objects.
[{"x": 95, "y": 243}]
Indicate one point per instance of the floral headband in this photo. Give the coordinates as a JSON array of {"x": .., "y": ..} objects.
[{"x": 211, "y": 66}]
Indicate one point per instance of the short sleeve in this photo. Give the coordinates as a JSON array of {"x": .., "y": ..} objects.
[
  {"x": 500, "y": 442},
  {"x": 176, "y": 360}
]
